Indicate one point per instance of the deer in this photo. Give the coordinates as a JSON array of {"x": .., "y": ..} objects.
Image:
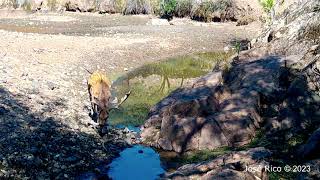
[{"x": 100, "y": 98}]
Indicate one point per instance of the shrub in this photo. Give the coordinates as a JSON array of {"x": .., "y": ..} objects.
[
  {"x": 183, "y": 8},
  {"x": 137, "y": 7},
  {"x": 205, "y": 10},
  {"x": 26, "y": 6},
  {"x": 313, "y": 33},
  {"x": 12, "y": 3},
  {"x": 109, "y": 6},
  {"x": 267, "y": 5},
  {"x": 155, "y": 5},
  {"x": 52, "y": 4},
  {"x": 167, "y": 8}
]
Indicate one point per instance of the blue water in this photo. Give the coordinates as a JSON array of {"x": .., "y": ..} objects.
[{"x": 137, "y": 162}]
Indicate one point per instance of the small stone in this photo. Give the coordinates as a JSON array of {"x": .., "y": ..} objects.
[
  {"x": 3, "y": 110},
  {"x": 72, "y": 159}
]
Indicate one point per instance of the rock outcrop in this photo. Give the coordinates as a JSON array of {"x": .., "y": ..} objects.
[
  {"x": 248, "y": 164},
  {"x": 277, "y": 81},
  {"x": 212, "y": 114}
]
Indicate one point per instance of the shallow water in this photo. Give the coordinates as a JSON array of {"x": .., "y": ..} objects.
[
  {"x": 152, "y": 82},
  {"x": 137, "y": 162}
]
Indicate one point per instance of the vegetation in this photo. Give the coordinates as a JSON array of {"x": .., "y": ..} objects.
[
  {"x": 155, "y": 4},
  {"x": 205, "y": 10},
  {"x": 183, "y": 8},
  {"x": 267, "y": 5},
  {"x": 167, "y": 8},
  {"x": 26, "y": 6},
  {"x": 52, "y": 4},
  {"x": 313, "y": 33},
  {"x": 13, "y": 3},
  {"x": 196, "y": 156},
  {"x": 137, "y": 7}
]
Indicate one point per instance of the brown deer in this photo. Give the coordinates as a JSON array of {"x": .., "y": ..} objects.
[{"x": 100, "y": 97}]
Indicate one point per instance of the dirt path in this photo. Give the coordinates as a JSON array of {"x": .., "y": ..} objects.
[{"x": 41, "y": 60}]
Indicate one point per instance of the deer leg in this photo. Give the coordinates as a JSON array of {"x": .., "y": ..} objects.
[
  {"x": 93, "y": 112},
  {"x": 168, "y": 82},
  {"x": 162, "y": 84},
  {"x": 181, "y": 82}
]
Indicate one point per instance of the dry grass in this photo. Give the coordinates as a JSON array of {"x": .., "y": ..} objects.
[
  {"x": 183, "y": 8},
  {"x": 137, "y": 7},
  {"x": 207, "y": 10}
]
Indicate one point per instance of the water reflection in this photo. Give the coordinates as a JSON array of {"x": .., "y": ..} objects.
[
  {"x": 183, "y": 67},
  {"x": 137, "y": 162},
  {"x": 152, "y": 82}
]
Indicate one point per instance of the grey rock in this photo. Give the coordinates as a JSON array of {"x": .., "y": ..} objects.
[
  {"x": 3, "y": 110},
  {"x": 229, "y": 166}
]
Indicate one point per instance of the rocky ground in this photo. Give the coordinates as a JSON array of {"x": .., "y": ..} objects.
[{"x": 44, "y": 107}]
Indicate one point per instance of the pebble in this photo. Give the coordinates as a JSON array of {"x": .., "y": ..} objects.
[{"x": 3, "y": 110}]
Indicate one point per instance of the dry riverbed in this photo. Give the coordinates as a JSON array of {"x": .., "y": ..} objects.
[{"x": 43, "y": 96}]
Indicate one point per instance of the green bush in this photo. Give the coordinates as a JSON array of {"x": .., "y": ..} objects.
[
  {"x": 167, "y": 8},
  {"x": 267, "y": 4},
  {"x": 137, "y": 7}
]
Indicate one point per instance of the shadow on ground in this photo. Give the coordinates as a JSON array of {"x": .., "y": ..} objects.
[{"x": 35, "y": 146}]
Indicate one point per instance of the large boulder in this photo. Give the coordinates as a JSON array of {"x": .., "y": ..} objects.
[
  {"x": 213, "y": 114},
  {"x": 248, "y": 164}
]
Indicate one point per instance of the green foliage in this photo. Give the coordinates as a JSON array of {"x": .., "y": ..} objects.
[
  {"x": 168, "y": 7},
  {"x": 238, "y": 47},
  {"x": 177, "y": 160},
  {"x": 203, "y": 155},
  {"x": 267, "y": 4}
]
